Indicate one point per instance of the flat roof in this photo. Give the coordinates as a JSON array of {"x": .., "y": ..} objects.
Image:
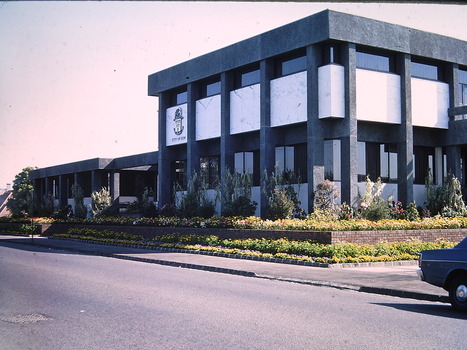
[{"x": 322, "y": 26}]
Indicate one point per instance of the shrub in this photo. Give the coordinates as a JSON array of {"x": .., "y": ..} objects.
[
  {"x": 236, "y": 196},
  {"x": 411, "y": 213},
  {"x": 372, "y": 205},
  {"x": 78, "y": 197},
  {"x": 194, "y": 201},
  {"x": 143, "y": 205},
  {"x": 282, "y": 198},
  {"x": 280, "y": 206},
  {"x": 445, "y": 200},
  {"x": 101, "y": 202},
  {"x": 324, "y": 202}
]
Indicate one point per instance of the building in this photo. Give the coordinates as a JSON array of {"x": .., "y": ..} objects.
[
  {"x": 5, "y": 195},
  {"x": 331, "y": 96}
]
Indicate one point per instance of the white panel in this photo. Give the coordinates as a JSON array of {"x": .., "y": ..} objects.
[
  {"x": 288, "y": 99},
  {"x": 208, "y": 118},
  {"x": 331, "y": 91},
  {"x": 430, "y": 103},
  {"x": 419, "y": 194},
  {"x": 176, "y": 130},
  {"x": 378, "y": 96},
  {"x": 245, "y": 109},
  {"x": 256, "y": 196}
]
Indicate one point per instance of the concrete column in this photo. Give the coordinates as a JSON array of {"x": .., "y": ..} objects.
[
  {"x": 115, "y": 185},
  {"x": 193, "y": 149},
  {"x": 62, "y": 191},
  {"x": 96, "y": 181},
  {"x": 453, "y": 80},
  {"x": 227, "y": 146},
  {"x": 267, "y": 135},
  {"x": 405, "y": 159},
  {"x": 165, "y": 184},
  {"x": 349, "y": 151},
  {"x": 315, "y": 139},
  {"x": 47, "y": 186},
  {"x": 439, "y": 166},
  {"x": 453, "y": 152}
]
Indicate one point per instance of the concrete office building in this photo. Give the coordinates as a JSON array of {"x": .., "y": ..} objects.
[{"x": 331, "y": 96}]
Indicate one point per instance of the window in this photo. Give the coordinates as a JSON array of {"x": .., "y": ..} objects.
[
  {"x": 209, "y": 170},
  {"x": 292, "y": 160},
  {"x": 244, "y": 162},
  {"x": 375, "y": 62},
  {"x": 332, "y": 160},
  {"x": 388, "y": 166},
  {"x": 178, "y": 98},
  {"x": 424, "y": 160},
  {"x": 210, "y": 88},
  {"x": 291, "y": 64},
  {"x": 425, "y": 71},
  {"x": 248, "y": 162},
  {"x": 285, "y": 159},
  {"x": 377, "y": 160},
  {"x": 247, "y": 77},
  {"x": 462, "y": 87},
  {"x": 179, "y": 168}
]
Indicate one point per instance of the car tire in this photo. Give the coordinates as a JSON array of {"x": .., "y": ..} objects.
[{"x": 458, "y": 293}]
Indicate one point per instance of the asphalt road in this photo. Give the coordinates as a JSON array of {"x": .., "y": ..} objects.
[{"x": 55, "y": 300}]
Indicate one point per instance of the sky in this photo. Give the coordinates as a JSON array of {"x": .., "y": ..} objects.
[{"x": 73, "y": 74}]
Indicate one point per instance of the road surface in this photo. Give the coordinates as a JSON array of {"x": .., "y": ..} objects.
[{"x": 59, "y": 300}]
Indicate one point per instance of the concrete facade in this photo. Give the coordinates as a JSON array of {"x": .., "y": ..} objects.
[{"x": 331, "y": 96}]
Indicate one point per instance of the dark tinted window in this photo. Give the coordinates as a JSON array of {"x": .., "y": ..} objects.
[
  {"x": 374, "y": 62},
  {"x": 250, "y": 78},
  {"x": 293, "y": 65},
  {"x": 178, "y": 98},
  {"x": 462, "y": 76},
  {"x": 425, "y": 71},
  {"x": 210, "y": 88},
  {"x": 213, "y": 88}
]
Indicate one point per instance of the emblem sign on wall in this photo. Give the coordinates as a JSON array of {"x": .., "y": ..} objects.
[{"x": 176, "y": 125}]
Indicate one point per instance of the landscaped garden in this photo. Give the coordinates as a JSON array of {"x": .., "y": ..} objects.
[{"x": 444, "y": 209}]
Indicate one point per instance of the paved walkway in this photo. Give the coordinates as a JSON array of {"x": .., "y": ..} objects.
[{"x": 396, "y": 280}]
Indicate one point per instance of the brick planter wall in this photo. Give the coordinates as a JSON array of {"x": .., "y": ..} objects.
[{"x": 334, "y": 237}]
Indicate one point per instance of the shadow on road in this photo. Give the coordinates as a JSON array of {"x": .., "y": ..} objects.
[
  {"x": 67, "y": 247},
  {"x": 428, "y": 309}
]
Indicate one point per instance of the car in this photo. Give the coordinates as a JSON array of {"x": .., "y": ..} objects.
[{"x": 447, "y": 268}]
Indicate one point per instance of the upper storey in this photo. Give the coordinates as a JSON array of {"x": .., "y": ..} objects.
[{"x": 323, "y": 26}]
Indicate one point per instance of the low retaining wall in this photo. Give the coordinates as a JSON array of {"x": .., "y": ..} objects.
[{"x": 326, "y": 237}]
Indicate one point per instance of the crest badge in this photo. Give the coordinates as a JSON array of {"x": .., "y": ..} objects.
[{"x": 178, "y": 122}]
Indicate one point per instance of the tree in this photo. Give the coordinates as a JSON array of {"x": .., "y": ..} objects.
[{"x": 21, "y": 202}]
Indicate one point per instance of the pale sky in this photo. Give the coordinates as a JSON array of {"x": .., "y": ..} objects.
[{"x": 73, "y": 75}]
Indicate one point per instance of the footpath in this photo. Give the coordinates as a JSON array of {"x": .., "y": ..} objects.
[{"x": 397, "y": 279}]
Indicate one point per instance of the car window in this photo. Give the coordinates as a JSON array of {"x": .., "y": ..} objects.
[{"x": 462, "y": 244}]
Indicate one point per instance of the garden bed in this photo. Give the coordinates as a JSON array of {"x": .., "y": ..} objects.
[{"x": 325, "y": 237}]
